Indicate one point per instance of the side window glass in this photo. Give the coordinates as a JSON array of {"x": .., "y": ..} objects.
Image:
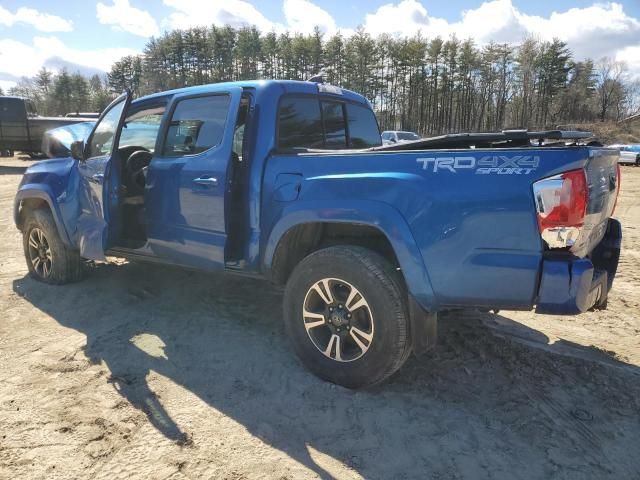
[
  {"x": 141, "y": 129},
  {"x": 363, "y": 127},
  {"x": 197, "y": 124},
  {"x": 334, "y": 125},
  {"x": 102, "y": 140},
  {"x": 300, "y": 123}
]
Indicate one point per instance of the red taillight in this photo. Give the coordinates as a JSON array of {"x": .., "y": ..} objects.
[{"x": 561, "y": 203}]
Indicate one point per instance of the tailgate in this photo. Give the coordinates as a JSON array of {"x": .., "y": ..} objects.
[{"x": 603, "y": 181}]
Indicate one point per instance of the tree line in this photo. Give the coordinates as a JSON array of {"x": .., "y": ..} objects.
[
  {"x": 63, "y": 92},
  {"x": 431, "y": 86}
]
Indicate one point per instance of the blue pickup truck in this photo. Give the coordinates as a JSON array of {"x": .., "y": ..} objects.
[{"x": 289, "y": 181}]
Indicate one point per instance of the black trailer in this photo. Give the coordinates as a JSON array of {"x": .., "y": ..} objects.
[{"x": 22, "y": 129}]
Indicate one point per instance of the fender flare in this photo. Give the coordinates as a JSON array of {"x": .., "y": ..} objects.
[
  {"x": 375, "y": 214},
  {"x": 41, "y": 192}
]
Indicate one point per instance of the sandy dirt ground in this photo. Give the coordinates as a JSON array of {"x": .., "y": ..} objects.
[{"x": 157, "y": 373}]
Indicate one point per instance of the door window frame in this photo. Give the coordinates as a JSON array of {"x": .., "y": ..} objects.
[
  {"x": 166, "y": 124},
  {"x": 126, "y": 98}
]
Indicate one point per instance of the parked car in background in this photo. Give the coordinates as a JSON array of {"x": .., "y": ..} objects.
[
  {"x": 22, "y": 129},
  {"x": 288, "y": 181},
  {"x": 629, "y": 154},
  {"x": 390, "y": 137}
]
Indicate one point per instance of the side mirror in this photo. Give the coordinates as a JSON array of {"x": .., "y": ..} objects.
[{"x": 77, "y": 150}]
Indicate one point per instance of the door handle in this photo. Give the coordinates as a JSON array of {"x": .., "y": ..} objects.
[{"x": 206, "y": 181}]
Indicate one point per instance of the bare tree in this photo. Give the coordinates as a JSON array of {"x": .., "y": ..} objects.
[{"x": 609, "y": 87}]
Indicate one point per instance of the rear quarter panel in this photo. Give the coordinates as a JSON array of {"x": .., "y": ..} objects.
[{"x": 475, "y": 231}]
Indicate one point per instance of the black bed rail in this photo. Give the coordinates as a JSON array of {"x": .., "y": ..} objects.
[{"x": 505, "y": 138}]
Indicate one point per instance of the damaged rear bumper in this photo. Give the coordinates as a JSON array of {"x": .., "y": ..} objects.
[{"x": 572, "y": 286}]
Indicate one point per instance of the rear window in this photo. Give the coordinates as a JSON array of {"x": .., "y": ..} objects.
[
  {"x": 363, "y": 127},
  {"x": 197, "y": 124},
  {"x": 334, "y": 125},
  {"x": 309, "y": 122},
  {"x": 300, "y": 123}
]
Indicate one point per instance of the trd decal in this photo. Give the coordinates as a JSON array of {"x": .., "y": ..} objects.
[{"x": 487, "y": 165}]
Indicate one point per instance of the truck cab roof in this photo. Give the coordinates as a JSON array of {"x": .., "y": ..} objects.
[{"x": 285, "y": 86}]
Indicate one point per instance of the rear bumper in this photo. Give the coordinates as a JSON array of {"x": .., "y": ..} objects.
[{"x": 572, "y": 286}]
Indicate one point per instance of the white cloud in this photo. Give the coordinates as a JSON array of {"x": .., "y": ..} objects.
[
  {"x": 631, "y": 56},
  {"x": 6, "y": 85},
  {"x": 121, "y": 15},
  {"x": 603, "y": 29},
  {"x": 237, "y": 13},
  {"x": 40, "y": 21},
  {"x": 303, "y": 16},
  {"x": 19, "y": 59}
]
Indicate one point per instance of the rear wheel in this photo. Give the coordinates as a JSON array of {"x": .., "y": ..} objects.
[
  {"x": 346, "y": 316},
  {"x": 48, "y": 259}
]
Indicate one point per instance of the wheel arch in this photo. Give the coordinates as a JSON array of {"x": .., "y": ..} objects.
[
  {"x": 303, "y": 229},
  {"x": 31, "y": 197}
]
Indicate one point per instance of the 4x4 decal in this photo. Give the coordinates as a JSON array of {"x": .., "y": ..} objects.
[{"x": 489, "y": 164}]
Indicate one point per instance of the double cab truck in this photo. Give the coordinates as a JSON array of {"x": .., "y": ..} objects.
[
  {"x": 288, "y": 181},
  {"x": 22, "y": 129}
]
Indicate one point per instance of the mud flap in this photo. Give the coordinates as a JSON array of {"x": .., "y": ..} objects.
[{"x": 424, "y": 328}]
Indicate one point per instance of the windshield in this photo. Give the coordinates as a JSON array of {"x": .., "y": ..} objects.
[
  {"x": 141, "y": 129},
  {"x": 408, "y": 136}
]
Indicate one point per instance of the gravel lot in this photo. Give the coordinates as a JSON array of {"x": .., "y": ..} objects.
[{"x": 156, "y": 373}]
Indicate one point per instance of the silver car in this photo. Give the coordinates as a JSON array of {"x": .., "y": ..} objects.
[
  {"x": 629, "y": 154},
  {"x": 390, "y": 137}
]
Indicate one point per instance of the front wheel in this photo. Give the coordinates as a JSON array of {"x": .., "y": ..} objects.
[
  {"x": 48, "y": 259},
  {"x": 346, "y": 316}
]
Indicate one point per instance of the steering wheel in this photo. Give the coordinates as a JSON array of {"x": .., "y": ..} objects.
[{"x": 136, "y": 166}]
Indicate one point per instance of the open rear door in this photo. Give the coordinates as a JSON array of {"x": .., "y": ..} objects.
[{"x": 98, "y": 189}]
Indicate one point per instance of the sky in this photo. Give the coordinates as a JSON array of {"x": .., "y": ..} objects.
[{"x": 88, "y": 35}]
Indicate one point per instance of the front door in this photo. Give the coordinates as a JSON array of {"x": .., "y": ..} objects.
[
  {"x": 98, "y": 182},
  {"x": 187, "y": 179}
]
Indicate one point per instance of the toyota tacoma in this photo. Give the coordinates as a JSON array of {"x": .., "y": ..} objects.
[{"x": 289, "y": 181}]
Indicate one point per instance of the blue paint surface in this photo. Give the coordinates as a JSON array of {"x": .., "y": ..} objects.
[{"x": 462, "y": 239}]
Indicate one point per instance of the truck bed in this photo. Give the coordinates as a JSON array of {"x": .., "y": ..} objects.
[{"x": 470, "y": 211}]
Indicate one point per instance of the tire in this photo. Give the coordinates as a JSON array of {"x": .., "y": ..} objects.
[
  {"x": 382, "y": 343},
  {"x": 48, "y": 259}
]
